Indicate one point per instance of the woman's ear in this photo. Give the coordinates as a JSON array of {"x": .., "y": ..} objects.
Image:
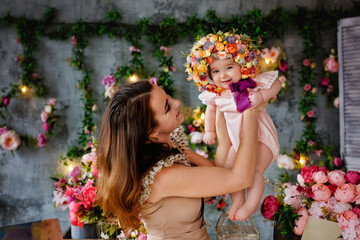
[{"x": 154, "y": 135}]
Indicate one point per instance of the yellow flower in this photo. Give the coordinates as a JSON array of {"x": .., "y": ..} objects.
[
  {"x": 204, "y": 83},
  {"x": 313, "y": 65},
  {"x": 202, "y": 68},
  {"x": 220, "y": 47},
  {"x": 207, "y": 53},
  {"x": 225, "y": 42},
  {"x": 220, "y": 39}
]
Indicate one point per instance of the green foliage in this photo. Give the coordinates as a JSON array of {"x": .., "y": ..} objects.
[{"x": 285, "y": 220}]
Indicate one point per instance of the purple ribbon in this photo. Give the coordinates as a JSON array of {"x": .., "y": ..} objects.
[{"x": 240, "y": 93}]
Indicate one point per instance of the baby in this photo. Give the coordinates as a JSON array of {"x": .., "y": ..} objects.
[{"x": 225, "y": 67}]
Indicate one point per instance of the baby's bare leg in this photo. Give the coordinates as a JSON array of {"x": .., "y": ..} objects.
[
  {"x": 237, "y": 198},
  {"x": 255, "y": 192}
]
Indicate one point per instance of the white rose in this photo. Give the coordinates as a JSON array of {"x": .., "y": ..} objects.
[
  {"x": 300, "y": 180},
  {"x": 110, "y": 91},
  {"x": 48, "y": 108},
  {"x": 203, "y": 41},
  {"x": 284, "y": 161},
  {"x": 196, "y": 137}
]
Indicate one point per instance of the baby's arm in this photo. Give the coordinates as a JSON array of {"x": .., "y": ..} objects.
[
  {"x": 209, "y": 136},
  {"x": 198, "y": 160},
  {"x": 264, "y": 95}
]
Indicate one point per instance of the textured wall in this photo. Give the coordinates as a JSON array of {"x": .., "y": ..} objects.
[{"x": 25, "y": 187}]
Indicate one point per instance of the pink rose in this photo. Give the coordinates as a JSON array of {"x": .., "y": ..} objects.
[
  {"x": 346, "y": 193},
  {"x": 75, "y": 219},
  {"x": 345, "y": 217},
  {"x": 3, "y": 130},
  {"x": 306, "y": 62},
  {"x": 337, "y": 161},
  {"x": 321, "y": 192},
  {"x": 336, "y": 177},
  {"x": 134, "y": 49},
  {"x": 301, "y": 222},
  {"x": 269, "y": 206},
  {"x": 307, "y": 173},
  {"x": 153, "y": 81},
  {"x": 52, "y": 101},
  {"x": 10, "y": 140},
  {"x": 320, "y": 177},
  {"x": 318, "y": 152},
  {"x": 353, "y": 177},
  {"x": 283, "y": 66},
  {"x": 41, "y": 140},
  {"x": 307, "y": 87},
  {"x": 44, "y": 116},
  {"x": 142, "y": 236},
  {"x": 357, "y": 210},
  {"x": 109, "y": 80},
  {"x": 311, "y": 143},
  {"x": 310, "y": 113},
  {"x": 46, "y": 126},
  {"x": 5, "y": 101},
  {"x": 331, "y": 64},
  {"x": 325, "y": 81},
  {"x": 89, "y": 158}
]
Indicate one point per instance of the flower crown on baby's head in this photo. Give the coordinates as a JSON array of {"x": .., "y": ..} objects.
[{"x": 236, "y": 47}]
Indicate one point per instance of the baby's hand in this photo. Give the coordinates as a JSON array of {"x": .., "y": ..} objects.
[
  {"x": 209, "y": 138},
  {"x": 255, "y": 99}
]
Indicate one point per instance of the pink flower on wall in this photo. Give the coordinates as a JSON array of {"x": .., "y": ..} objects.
[
  {"x": 306, "y": 62},
  {"x": 10, "y": 140}
]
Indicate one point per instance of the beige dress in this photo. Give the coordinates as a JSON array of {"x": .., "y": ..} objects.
[{"x": 172, "y": 217}]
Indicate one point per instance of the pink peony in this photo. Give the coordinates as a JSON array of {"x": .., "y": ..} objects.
[
  {"x": 300, "y": 180},
  {"x": 292, "y": 197},
  {"x": 301, "y": 222},
  {"x": 307, "y": 87},
  {"x": 337, "y": 207},
  {"x": 325, "y": 81},
  {"x": 317, "y": 209},
  {"x": 10, "y": 140},
  {"x": 89, "y": 158},
  {"x": 41, "y": 140},
  {"x": 331, "y": 64},
  {"x": 153, "y": 81},
  {"x": 337, "y": 161},
  {"x": 191, "y": 128},
  {"x": 346, "y": 193},
  {"x": 357, "y": 210},
  {"x": 269, "y": 206},
  {"x": 320, "y": 177},
  {"x": 307, "y": 173},
  {"x": 310, "y": 113},
  {"x": 142, "y": 236},
  {"x": 5, "y": 101},
  {"x": 284, "y": 161},
  {"x": 89, "y": 193},
  {"x": 336, "y": 177},
  {"x": 109, "y": 80},
  {"x": 46, "y": 126},
  {"x": 353, "y": 177},
  {"x": 283, "y": 66},
  {"x": 196, "y": 137},
  {"x": 345, "y": 217},
  {"x": 75, "y": 219},
  {"x": 321, "y": 192},
  {"x": 306, "y": 62}
]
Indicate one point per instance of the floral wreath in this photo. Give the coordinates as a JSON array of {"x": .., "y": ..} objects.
[{"x": 236, "y": 47}]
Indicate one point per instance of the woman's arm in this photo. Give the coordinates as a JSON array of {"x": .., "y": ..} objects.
[
  {"x": 183, "y": 181},
  {"x": 209, "y": 136},
  {"x": 198, "y": 160}
]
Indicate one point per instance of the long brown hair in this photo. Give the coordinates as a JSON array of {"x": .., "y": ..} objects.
[{"x": 124, "y": 152}]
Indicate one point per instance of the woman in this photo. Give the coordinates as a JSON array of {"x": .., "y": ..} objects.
[{"x": 144, "y": 165}]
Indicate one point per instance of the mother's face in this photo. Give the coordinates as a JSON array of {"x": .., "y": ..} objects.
[{"x": 167, "y": 114}]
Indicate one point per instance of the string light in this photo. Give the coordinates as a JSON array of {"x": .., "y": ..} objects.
[
  {"x": 70, "y": 168},
  {"x": 267, "y": 61},
  {"x": 24, "y": 89},
  {"x": 202, "y": 116},
  {"x": 133, "y": 78},
  {"x": 302, "y": 160}
]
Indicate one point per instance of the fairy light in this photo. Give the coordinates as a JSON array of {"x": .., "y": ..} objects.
[
  {"x": 267, "y": 61},
  {"x": 202, "y": 116},
  {"x": 24, "y": 89},
  {"x": 302, "y": 160},
  {"x": 70, "y": 168},
  {"x": 133, "y": 78}
]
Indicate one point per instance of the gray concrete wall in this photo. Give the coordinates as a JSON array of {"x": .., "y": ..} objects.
[{"x": 25, "y": 187}]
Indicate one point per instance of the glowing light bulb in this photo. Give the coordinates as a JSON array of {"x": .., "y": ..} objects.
[
  {"x": 133, "y": 78},
  {"x": 24, "y": 89},
  {"x": 267, "y": 61},
  {"x": 202, "y": 116},
  {"x": 70, "y": 168},
  {"x": 302, "y": 160}
]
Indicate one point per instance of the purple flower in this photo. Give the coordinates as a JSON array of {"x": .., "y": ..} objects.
[
  {"x": 231, "y": 39},
  {"x": 206, "y": 45},
  {"x": 283, "y": 66},
  {"x": 41, "y": 140},
  {"x": 252, "y": 54},
  {"x": 75, "y": 172},
  {"x": 3, "y": 130},
  {"x": 153, "y": 81},
  {"x": 109, "y": 80}
]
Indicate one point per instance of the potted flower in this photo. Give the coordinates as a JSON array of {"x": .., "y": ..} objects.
[{"x": 319, "y": 195}]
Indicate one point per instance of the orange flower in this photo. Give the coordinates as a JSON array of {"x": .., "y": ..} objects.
[
  {"x": 230, "y": 48},
  {"x": 202, "y": 68},
  {"x": 220, "y": 47},
  {"x": 209, "y": 60}
]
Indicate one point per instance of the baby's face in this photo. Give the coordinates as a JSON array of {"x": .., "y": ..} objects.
[{"x": 224, "y": 72}]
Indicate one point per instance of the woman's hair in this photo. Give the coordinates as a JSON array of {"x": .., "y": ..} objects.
[{"x": 125, "y": 153}]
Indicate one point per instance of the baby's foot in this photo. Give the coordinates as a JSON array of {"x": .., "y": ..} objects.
[
  {"x": 233, "y": 209},
  {"x": 244, "y": 212}
]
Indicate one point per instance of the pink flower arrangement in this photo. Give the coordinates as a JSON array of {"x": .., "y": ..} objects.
[
  {"x": 334, "y": 196},
  {"x": 9, "y": 139}
]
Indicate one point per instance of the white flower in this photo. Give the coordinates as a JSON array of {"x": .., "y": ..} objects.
[
  {"x": 61, "y": 200},
  {"x": 104, "y": 236},
  {"x": 110, "y": 91},
  {"x": 300, "y": 180},
  {"x": 201, "y": 153},
  {"x": 134, "y": 233},
  {"x": 316, "y": 209},
  {"x": 337, "y": 102},
  {"x": 48, "y": 108},
  {"x": 44, "y": 116},
  {"x": 284, "y": 161},
  {"x": 196, "y": 137}
]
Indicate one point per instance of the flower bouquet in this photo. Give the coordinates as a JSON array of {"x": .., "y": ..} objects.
[{"x": 318, "y": 193}]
